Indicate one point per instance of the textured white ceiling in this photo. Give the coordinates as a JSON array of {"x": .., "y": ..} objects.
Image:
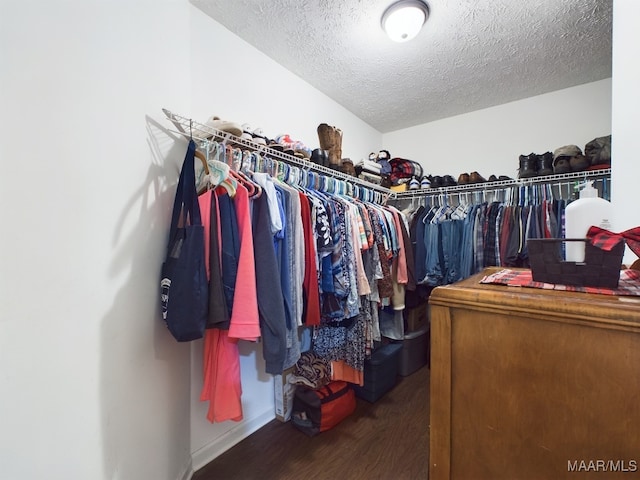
[{"x": 472, "y": 54}]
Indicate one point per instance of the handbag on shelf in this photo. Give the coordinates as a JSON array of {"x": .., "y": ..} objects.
[{"x": 183, "y": 284}]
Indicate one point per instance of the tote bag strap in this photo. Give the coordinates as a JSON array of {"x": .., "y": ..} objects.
[{"x": 186, "y": 201}]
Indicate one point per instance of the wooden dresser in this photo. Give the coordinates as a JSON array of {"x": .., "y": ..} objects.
[{"x": 533, "y": 384}]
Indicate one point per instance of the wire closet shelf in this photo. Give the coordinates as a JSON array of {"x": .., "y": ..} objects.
[
  {"x": 504, "y": 184},
  {"x": 185, "y": 126}
]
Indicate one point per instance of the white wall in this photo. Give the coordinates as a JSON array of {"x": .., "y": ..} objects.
[
  {"x": 245, "y": 86},
  {"x": 91, "y": 384},
  {"x": 235, "y": 81},
  {"x": 626, "y": 105},
  {"x": 490, "y": 141}
]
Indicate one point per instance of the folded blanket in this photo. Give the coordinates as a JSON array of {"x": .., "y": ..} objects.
[
  {"x": 369, "y": 166},
  {"x": 369, "y": 177}
]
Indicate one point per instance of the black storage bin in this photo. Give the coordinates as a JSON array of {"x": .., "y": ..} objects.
[{"x": 380, "y": 372}]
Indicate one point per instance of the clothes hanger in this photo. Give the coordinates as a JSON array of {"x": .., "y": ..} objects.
[
  {"x": 244, "y": 160},
  {"x": 256, "y": 163},
  {"x": 236, "y": 159},
  {"x": 304, "y": 178},
  {"x": 219, "y": 171},
  {"x": 199, "y": 155},
  {"x": 252, "y": 187},
  {"x": 247, "y": 157},
  {"x": 203, "y": 159},
  {"x": 228, "y": 153},
  {"x": 283, "y": 172}
]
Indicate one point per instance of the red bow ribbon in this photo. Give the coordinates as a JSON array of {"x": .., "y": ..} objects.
[{"x": 606, "y": 240}]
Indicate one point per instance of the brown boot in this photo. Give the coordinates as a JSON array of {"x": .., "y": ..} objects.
[
  {"x": 338, "y": 141},
  {"x": 347, "y": 167},
  {"x": 331, "y": 140},
  {"x": 335, "y": 152},
  {"x": 325, "y": 135}
]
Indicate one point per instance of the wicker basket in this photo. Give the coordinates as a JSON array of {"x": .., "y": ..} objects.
[{"x": 600, "y": 268}]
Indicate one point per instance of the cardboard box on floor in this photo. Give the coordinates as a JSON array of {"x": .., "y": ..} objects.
[
  {"x": 417, "y": 318},
  {"x": 284, "y": 392}
]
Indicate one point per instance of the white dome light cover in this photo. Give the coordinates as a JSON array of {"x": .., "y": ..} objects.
[{"x": 403, "y": 20}]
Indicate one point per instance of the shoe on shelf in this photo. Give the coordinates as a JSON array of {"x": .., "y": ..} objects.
[
  {"x": 425, "y": 182},
  {"x": 302, "y": 149},
  {"x": 463, "y": 179},
  {"x": 414, "y": 184},
  {"x": 247, "y": 132},
  {"x": 347, "y": 167},
  {"x": 545, "y": 164},
  {"x": 437, "y": 182},
  {"x": 492, "y": 178},
  {"x": 475, "y": 177},
  {"x": 448, "y": 181},
  {"x": 528, "y": 167},
  {"x": 320, "y": 157},
  {"x": 298, "y": 147},
  {"x": 275, "y": 146},
  {"x": 284, "y": 140},
  {"x": 259, "y": 137}
]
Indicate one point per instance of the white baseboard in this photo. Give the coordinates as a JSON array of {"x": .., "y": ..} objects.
[
  {"x": 187, "y": 472},
  {"x": 223, "y": 443}
]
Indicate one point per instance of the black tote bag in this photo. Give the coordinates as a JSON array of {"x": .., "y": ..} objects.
[{"x": 184, "y": 288}]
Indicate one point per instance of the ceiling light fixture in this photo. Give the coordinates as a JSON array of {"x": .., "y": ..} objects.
[{"x": 403, "y": 20}]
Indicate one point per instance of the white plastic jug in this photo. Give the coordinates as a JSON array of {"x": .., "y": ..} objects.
[{"x": 581, "y": 214}]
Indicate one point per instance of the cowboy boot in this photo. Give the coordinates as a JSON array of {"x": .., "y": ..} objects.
[
  {"x": 335, "y": 152},
  {"x": 338, "y": 143},
  {"x": 325, "y": 135}
]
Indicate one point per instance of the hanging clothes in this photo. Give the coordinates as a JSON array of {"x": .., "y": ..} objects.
[
  {"x": 221, "y": 362},
  {"x": 292, "y": 256},
  {"x": 311, "y": 292},
  {"x": 245, "y": 323},
  {"x": 268, "y": 288},
  {"x": 452, "y": 243}
]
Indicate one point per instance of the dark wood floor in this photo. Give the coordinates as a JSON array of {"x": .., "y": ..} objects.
[{"x": 386, "y": 440}]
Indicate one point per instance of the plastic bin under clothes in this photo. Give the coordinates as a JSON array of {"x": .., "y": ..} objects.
[
  {"x": 415, "y": 352},
  {"x": 380, "y": 372}
]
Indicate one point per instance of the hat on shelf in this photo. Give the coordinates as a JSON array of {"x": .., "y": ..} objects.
[
  {"x": 598, "y": 150},
  {"x": 569, "y": 158},
  {"x": 567, "y": 151},
  {"x": 216, "y": 123}
]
